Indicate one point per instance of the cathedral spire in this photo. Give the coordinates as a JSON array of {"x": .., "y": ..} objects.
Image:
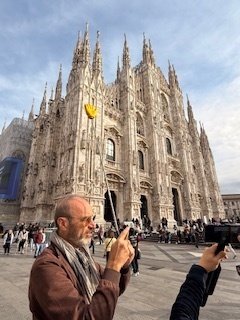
[
  {"x": 174, "y": 74},
  {"x": 51, "y": 97},
  {"x": 203, "y": 138},
  {"x": 77, "y": 51},
  {"x": 126, "y": 56},
  {"x": 152, "y": 59},
  {"x": 190, "y": 112},
  {"x": 204, "y": 143},
  {"x": 170, "y": 75},
  {"x": 118, "y": 70},
  {"x": 175, "y": 78},
  {"x": 58, "y": 91},
  {"x": 146, "y": 57},
  {"x": 43, "y": 106},
  {"x": 86, "y": 47},
  {"x": 31, "y": 113},
  {"x": 4, "y": 126},
  {"x": 147, "y": 52},
  {"x": 97, "y": 58}
]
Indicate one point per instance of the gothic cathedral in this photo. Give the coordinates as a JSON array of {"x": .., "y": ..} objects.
[{"x": 139, "y": 154}]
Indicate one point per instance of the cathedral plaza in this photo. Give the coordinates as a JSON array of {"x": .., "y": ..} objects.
[{"x": 149, "y": 296}]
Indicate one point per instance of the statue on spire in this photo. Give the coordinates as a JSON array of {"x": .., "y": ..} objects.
[
  {"x": 126, "y": 56},
  {"x": 43, "y": 106},
  {"x": 31, "y": 113},
  {"x": 58, "y": 91},
  {"x": 97, "y": 58}
]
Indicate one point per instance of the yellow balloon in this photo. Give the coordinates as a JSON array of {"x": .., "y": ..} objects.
[{"x": 91, "y": 110}]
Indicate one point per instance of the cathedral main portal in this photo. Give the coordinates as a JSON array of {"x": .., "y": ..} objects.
[
  {"x": 108, "y": 216},
  {"x": 144, "y": 206},
  {"x": 176, "y": 206}
]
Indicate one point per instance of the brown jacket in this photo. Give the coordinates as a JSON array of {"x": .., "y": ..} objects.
[{"x": 53, "y": 292}]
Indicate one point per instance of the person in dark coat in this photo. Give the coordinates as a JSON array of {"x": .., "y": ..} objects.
[{"x": 190, "y": 296}]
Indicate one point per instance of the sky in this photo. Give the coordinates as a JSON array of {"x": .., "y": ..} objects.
[{"x": 200, "y": 38}]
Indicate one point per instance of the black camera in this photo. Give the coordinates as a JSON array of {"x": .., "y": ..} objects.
[{"x": 224, "y": 233}]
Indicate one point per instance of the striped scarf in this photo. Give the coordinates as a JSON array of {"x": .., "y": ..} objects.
[{"x": 82, "y": 264}]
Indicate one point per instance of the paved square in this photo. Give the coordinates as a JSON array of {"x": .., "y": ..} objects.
[{"x": 163, "y": 268}]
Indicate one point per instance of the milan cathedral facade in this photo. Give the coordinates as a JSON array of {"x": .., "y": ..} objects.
[{"x": 140, "y": 145}]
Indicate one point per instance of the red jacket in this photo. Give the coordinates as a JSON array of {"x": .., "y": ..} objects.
[
  {"x": 53, "y": 290},
  {"x": 38, "y": 237}
]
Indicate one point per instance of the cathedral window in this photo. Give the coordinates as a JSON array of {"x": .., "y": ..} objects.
[
  {"x": 138, "y": 96},
  {"x": 169, "y": 146},
  {"x": 140, "y": 160},
  {"x": 164, "y": 103},
  {"x": 165, "y": 107},
  {"x": 110, "y": 150},
  {"x": 19, "y": 155}
]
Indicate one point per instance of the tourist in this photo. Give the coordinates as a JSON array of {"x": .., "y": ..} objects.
[
  {"x": 38, "y": 240},
  {"x": 133, "y": 237},
  {"x": 7, "y": 241},
  {"x": 109, "y": 241},
  {"x": 23, "y": 240},
  {"x": 100, "y": 234},
  {"x": 65, "y": 281}
]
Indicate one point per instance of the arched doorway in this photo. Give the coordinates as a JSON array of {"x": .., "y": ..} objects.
[
  {"x": 146, "y": 222},
  {"x": 144, "y": 206},
  {"x": 176, "y": 207},
  {"x": 108, "y": 216}
]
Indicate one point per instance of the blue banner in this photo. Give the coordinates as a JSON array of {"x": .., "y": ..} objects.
[{"x": 10, "y": 177}]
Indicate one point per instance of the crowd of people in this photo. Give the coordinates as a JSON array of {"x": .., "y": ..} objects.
[
  {"x": 31, "y": 237},
  {"x": 190, "y": 232}
]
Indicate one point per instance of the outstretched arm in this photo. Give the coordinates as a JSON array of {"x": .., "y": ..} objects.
[{"x": 188, "y": 301}]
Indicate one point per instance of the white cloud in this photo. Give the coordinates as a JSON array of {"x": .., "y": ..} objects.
[{"x": 219, "y": 111}]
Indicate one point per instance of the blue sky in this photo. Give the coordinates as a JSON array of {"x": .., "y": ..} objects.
[{"x": 201, "y": 38}]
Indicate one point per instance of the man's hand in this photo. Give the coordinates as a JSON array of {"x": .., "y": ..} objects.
[
  {"x": 209, "y": 261},
  {"x": 122, "y": 252}
]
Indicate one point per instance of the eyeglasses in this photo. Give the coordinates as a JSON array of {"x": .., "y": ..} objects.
[
  {"x": 88, "y": 219},
  {"x": 85, "y": 220}
]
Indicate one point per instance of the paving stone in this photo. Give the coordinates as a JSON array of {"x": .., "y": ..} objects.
[{"x": 149, "y": 296}]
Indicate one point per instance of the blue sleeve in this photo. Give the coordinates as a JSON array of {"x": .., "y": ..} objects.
[{"x": 188, "y": 301}]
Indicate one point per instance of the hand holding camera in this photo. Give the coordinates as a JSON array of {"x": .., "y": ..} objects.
[{"x": 210, "y": 260}]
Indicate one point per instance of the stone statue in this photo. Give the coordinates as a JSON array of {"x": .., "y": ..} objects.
[
  {"x": 81, "y": 172},
  {"x": 53, "y": 162},
  {"x": 35, "y": 171},
  {"x": 97, "y": 175},
  {"x": 83, "y": 142},
  {"x": 40, "y": 186},
  {"x": 44, "y": 159}
]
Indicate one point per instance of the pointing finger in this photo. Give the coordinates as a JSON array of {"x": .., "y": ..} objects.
[{"x": 124, "y": 234}]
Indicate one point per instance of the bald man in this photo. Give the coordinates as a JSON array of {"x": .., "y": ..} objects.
[{"x": 65, "y": 281}]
